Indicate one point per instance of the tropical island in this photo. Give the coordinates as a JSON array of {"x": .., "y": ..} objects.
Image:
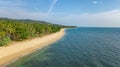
[{"x": 21, "y": 37}]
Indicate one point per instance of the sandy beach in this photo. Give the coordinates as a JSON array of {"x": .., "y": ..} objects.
[{"x": 14, "y": 51}]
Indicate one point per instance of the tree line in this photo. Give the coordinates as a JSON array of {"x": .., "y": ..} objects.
[{"x": 17, "y": 30}]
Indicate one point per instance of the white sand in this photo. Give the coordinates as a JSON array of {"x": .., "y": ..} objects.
[{"x": 17, "y": 50}]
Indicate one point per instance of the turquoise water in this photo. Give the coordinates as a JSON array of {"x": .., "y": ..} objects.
[{"x": 80, "y": 47}]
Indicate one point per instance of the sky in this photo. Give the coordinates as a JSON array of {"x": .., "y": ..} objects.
[{"x": 83, "y": 13}]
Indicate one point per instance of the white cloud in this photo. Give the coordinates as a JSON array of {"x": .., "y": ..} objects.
[
  {"x": 95, "y": 2},
  {"x": 21, "y": 14},
  {"x": 11, "y": 3},
  {"x": 103, "y": 19},
  {"x": 52, "y": 6}
]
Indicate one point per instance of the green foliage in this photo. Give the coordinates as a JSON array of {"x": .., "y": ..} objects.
[
  {"x": 4, "y": 41},
  {"x": 14, "y": 30}
]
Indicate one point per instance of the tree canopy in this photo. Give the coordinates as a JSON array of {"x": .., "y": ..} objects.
[{"x": 16, "y": 30}]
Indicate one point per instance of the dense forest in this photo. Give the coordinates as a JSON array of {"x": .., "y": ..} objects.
[{"x": 17, "y": 30}]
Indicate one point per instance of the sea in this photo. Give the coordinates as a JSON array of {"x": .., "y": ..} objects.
[{"x": 79, "y": 47}]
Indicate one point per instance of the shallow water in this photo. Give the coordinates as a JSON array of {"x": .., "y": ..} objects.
[{"x": 80, "y": 47}]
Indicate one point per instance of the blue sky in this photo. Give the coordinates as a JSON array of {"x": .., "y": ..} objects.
[{"x": 91, "y": 13}]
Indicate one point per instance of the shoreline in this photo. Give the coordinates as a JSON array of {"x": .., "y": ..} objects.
[{"x": 11, "y": 53}]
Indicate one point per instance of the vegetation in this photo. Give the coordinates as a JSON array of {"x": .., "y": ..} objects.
[
  {"x": 4, "y": 41},
  {"x": 17, "y": 30}
]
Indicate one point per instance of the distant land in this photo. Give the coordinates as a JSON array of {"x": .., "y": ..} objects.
[{"x": 21, "y": 29}]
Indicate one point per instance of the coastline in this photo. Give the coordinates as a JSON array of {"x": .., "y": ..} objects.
[{"x": 9, "y": 54}]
